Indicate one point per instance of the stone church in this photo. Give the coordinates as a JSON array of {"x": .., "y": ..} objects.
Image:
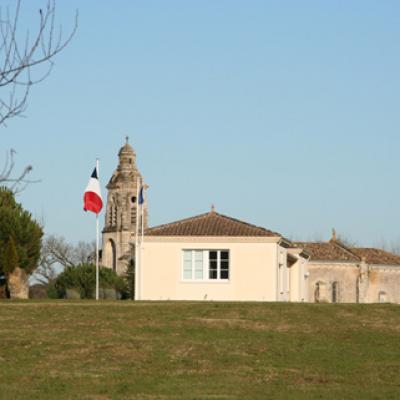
[
  {"x": 120, "y": 224},
  {"x": 215, "y": 257}
]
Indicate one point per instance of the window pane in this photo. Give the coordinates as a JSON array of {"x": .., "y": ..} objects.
[
  {"x": 187, "y": 274},
  {"x": 187, "y": 255},
  {"x": 198, "y": 274},
  {"x": 224, "y": 255},
  {"x": 198, "y": 264},
  {"x": 187, "y": 264},
  {"x": 198, "y": 255},
  {"x": 213, "y": 264},
  {"x": 213, "y": 255},
  {"x": 213, "y": 274},
  {"x": 224, "y": 274},
  {"x": 224, "y": 264}
]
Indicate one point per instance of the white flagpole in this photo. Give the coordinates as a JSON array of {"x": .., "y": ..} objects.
[
  {"x": 142, "y": 213},
  {"x": 97, "y": 241},
  {"x": 137, "y": 241},
  {"x": 141, "y": 237}
]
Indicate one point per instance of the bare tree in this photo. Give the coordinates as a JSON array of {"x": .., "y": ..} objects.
[
  {"x": 347, "y": 241},
  {"x": 392, "y": 247},
  {"x": 46, "y": 272},
  {"x": 58, "y": 253},
  {"x": 25, "y": 60}
]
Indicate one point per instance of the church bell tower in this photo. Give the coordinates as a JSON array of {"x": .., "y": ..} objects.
[{"x": 121, "y": 212}]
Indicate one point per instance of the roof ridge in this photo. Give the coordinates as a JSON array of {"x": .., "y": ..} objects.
[{"x": 340, "y": 244}]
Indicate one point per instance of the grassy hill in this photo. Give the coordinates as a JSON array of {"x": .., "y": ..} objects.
[{"x": 125, "y": 350}]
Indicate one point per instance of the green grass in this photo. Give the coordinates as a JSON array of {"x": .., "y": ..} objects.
[{"x": 125, "y": 350}]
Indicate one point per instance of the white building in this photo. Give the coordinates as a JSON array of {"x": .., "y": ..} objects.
[{"x": 215, "y": 257}]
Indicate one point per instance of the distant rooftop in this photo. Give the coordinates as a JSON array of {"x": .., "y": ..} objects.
[
  {"x": 336, "y": 251},
  {"x": 328, "y": 251},
  {"x": 377, "y": 256}
]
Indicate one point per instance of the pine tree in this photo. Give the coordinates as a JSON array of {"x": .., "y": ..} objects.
[
  {"x": 10, "y": 261},
  {"x": 19, "y": 232}
]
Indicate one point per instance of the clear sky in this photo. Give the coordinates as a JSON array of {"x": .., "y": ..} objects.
[{"x": 283, "y": 113}]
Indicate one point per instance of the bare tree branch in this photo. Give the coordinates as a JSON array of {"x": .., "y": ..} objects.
[
  {"x": 21, "y": 56},
  {"x": 15, "y": 183},
  {"x": 17, "y": 60}
]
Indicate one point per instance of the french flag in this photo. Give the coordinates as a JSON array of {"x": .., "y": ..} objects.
[{"x": 92, "y": 200}]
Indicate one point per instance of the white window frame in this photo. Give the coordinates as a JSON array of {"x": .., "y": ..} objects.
[{"x": 206, "y": 266}]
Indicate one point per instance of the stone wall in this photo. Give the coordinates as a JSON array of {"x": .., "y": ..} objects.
[
  {"x": 361, "y": 283},
  {"x": 384, "y": 285},
  {"x": 325, "y": 274}
]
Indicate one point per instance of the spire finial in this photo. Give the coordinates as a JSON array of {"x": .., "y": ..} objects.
[
  {"x": 127, "y": 139},
  {"x": 212, "y": 208},
  {"x": 334, "y": 237}
]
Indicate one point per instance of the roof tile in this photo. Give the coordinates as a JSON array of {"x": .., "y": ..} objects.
[
  {"x": 377, "y": 256},
  {"x": 336, "y": 251},
  {"x": 209, "y": 224},
  {"x": 328, "y": 251}
]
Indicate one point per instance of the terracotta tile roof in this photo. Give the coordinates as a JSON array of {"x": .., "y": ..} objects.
[
  {"x": 377, "y": 256},
  {"x": 336, "y": 251},
  {"x": 328, "y": 251},
  {"x": 209, "y": 224}
]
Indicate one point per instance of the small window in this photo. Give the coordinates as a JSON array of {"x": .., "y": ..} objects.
[
  {"x": 133, "y": 215},
  {"x": 382, "y": 297},
  {"x": 133, "y": 199},
  {"x": 114, "y": 216},
  {"x": 334, "y": 292},
  {"x": 320, "y": 290},
  {"x": 316, "y": 291}
]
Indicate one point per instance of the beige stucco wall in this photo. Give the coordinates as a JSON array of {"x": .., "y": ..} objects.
[
  {"x": 298, "y": 281},
  {"x": 346, "y": 274},
  {"x": 253, "y": 270}
]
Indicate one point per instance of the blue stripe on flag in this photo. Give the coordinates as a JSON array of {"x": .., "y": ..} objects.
[{"x": 141, "y": 197}]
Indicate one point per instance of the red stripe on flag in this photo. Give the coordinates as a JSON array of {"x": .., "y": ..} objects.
[{"x": 92, "y": 202}]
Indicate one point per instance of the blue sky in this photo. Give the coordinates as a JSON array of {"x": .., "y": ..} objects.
[{"x": 282, "y": 113}]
